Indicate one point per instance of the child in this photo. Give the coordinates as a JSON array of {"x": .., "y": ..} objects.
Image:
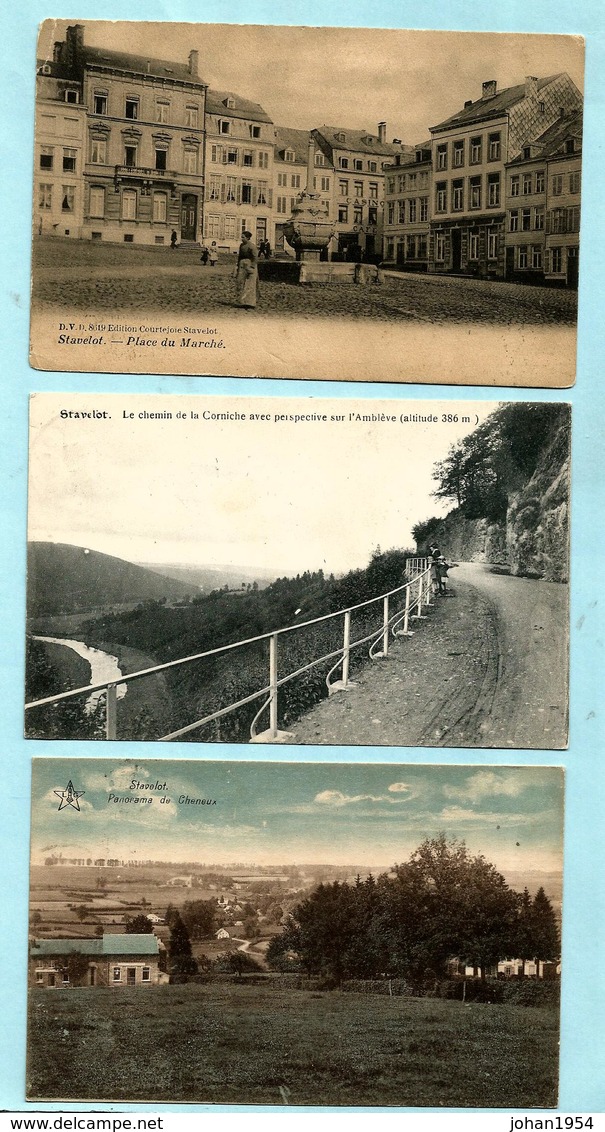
[{"x": 443, "y": 568}]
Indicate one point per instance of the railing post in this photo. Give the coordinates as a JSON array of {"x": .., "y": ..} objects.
[
  {"x": 419, "y": 616},
  {"x": 406, "y": 631},
  {"x": 344, "y": 685},
  {"x": 111, "y": 712},
  {"x": 385, "y": 627},
  {"x": 427, "y": 589},
  {"x": 273, "y": 685}
]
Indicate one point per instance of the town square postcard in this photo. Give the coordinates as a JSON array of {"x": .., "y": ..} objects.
[
  {"x": 194, "y": 213},
  {"x": 295, "y": 933},
  {"x": 337, "y": 571}
]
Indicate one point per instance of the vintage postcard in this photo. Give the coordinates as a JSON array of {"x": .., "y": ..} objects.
[
  {"x": 295, "y": 570},
  {"x": 295, "y": 933},
  {"x": 195, "y": 214}
]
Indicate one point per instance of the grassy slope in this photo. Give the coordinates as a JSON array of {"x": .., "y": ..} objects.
[{"x": 230, "y": 1044}]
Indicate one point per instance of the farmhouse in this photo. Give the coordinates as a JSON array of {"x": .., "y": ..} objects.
[{"x": 111, "y": 961}]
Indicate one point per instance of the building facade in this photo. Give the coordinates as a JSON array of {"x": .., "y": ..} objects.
[
  {"x": 471, "y": 151},
  {"x": 239, "y": 171},
  {"x": 142, "y": 167},
  {"x": 59, "y": 153},
  {"x": 113, "y": 961},
  {"x": 407, "y": 203}
]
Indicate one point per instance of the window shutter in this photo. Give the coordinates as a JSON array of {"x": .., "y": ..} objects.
[
  {"x": 270, "y": 198},
  {"x": 238, "y": 193},
  {"x": 223, "y": 192}
]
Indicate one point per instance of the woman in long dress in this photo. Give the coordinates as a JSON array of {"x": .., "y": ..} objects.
[{"x": 247, "y": 273}]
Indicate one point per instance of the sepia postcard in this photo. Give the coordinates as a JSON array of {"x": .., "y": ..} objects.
[
  {"x": 195, "y": 213},
  {"x": 295, "y": 933},
  {"x": 295, "y": 570}
]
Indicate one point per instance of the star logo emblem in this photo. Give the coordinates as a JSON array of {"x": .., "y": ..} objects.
[{"x": 69, "y": 797}]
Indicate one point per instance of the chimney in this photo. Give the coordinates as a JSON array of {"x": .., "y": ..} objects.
[
  {"x": 531, "y": 86},
  {"x": 74, "y": 44},
  {"x": 382, "y": 132},
  {"x": 489, "y": 88},
  {"x": 193, "y": 63},
  {"x": 469, "y": 102},
  {"x": 57, "y": 51}
]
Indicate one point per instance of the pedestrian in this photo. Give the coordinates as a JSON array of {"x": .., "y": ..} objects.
[
  {"x": 213, "y": 253},
  {"x": 443, "y": 568},
  {"x": 204, "y": 255},
  {"x": 173, "y": 239},
  {"x": 434, "y": 555},
  {"x": 247, "y": 273}
]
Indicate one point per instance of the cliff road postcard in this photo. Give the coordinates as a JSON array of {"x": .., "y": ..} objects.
[
  {"x": 298, "y": 570},
  {"x": 295, "y": 933},
  {"x": 194, "y": 213}
]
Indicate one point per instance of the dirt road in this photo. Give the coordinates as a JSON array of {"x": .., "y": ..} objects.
[{"x": 487, "y": 668}]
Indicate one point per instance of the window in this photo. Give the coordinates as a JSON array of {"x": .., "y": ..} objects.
[
  {"x": 556, "y": 260},
  {"x": 371, "y": 166},
  {"x": 39, "y": 977},
  {"x": 159, "y": 207},
  {"x": 46, "y": 157},
  {"x": 248, "y": 158},
  {"x": 320, "y": 159},
  {"x": 100, "y": 102},
  {"x": 558, "y": 220},
  {"x": 473, "y": 246},
  {"x": 440, "y": 247},
  {"x": 97, "y": 201},
  {"x": 161, "y": 159},
  {"x": 525, "y": 219},
  {"x": 358, "y": 165},
  {"x": 161, "y": 112},
  {"x": 246, "y": 192},
  {"x": 145, "y": 975},
  {"x": 325, "y": 184},
  {"x": 224, "y": 127},
  {"x": 493, "y": 190},
  {"x": 390, "y": 184},
  {"x": 423, "y": 179},
  {"x": 557, "y": 185},
  {"x": 390, "y": 250},
  {"x": 441, "y": 196},
  {"x": 401, "y": 182},
  {"x": 190, "y": 159},
  {"x": 65, "y": 977},
  {"x": 522, "y": 257},
  {"x": 132, "y": 108},
  {"x": 357, "y": 216},
  {"x": 513, "y": 221},
  {"x": 98, "y": 151},
  {"x": 230, "y": 228},
  {"x": 263, "y": 160},
  {"x": 373, "y": 190},
  {"x": 475, "y": 156},
  {"x": 232, "y": 156},
  {"x": 116, "y": 974},
  {"x": 570, "y": 145},
  {"x": 573, "y": 219},
  {"x": 391, "y": 212},
  {"x": 458, "y": 154},
  {"x": 539, "y": 184},
  {"x": 527, "y": 183},
  {"x": 536, "y": 257},
  {"x": 230, "y": 103},
  {"x": 289, "y": 155},
  {"x": 230, "y": 189},
  {"x": 410, "y": 247},
  {"x": 343, "y": 188},
  {"x": 457, "y": 196},
  {"x": 130, "y": 156},
  {"x": 191, "y": 117},
  {"x": 475, "y": 192},
  {"x": 262, "y": 192},
  {"x": 423, "y": 208},
  {"x": 526, "y": 152},
  {"x": 343, "y": 162},
  {"x": 67, "y": 202},
  {"x": 45, "y": 193},
  {"x": 493, "y": 147},
  {"x": 574, "y": 182},
  {"x": 343, "y": 214},
  {"x": 412, "y": 211},
  {"x": 442, "y": 156},
  {"x": 214, "y": 187},
  {"x": 421, "y": 246},
  {"x": 358, "y": 189},
  {"x": 412, "y": 180},
  {"x": 492, "y": 245},
  {"x": 72, "y": 96},
  {"x": 217, "y": 154},
  {"x": 295, "y": 181},
  {"x": 129, "y": 204},
  {"x": 213, "y": 226},
  {"x": 255, "y": 131},
  {"x": 282, "y": 204},
  {"x": 538, "y": 219},
  {"x": 515, "y": 185}
]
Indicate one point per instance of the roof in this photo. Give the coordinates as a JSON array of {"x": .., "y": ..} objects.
[
  {"x": 48, "y": 68},
  {"x": 552, "y": 141},
  {"x": 485, "y": 108},
  {"x": 104, "y": 945},
  {"x": 362, "y": 141},
  {"x": 297, "y": 140},
  {"x": 140, "y": 64},
  {"x": 216, "y": 104}
]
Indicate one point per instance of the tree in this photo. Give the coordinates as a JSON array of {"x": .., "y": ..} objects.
[
  {"x": 199, "y": 918},
  {"x": 181, "y": 964},
  {"x": 76, "y": 966},
  {"x": 545, "y": 941},
  {"x": 81, "y": 911},
  {"x": 137, "y": 925}
]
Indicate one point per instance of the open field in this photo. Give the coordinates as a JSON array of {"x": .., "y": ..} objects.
[{"x": 230, "y": 1044}]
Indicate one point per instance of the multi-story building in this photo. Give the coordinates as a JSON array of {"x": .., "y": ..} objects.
[
  {"x": 407, "y": 210},
  {"x": 143, "y": 153},
  {"x": 291, "y": 162},
  {"x": 356, "y": 161},
  {"x": 239, "y": 170},
  {"x": 471, "y": 150},
  {"x": 59, "y": 152},
  {"x": 543, "y": 206}
]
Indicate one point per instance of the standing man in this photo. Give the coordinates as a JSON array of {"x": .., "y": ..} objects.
[{"x": 247, "y": 273}]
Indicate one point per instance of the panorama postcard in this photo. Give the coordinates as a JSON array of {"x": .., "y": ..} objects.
[
  {"x": 298, "y": 571},
  {"x": 295, "y": 933},
  {"x": 298, "y": 202}
]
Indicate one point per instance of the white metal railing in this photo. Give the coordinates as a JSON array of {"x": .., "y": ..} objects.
[{"x": 417, "y": 591}]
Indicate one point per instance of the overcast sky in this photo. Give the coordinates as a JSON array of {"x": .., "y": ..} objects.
[
  {"x": 284, "y": 813},
  {"x": 306, "y": 77},
  {"x": 279, "y": 495}
]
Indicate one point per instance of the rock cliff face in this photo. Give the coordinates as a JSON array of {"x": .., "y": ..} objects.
[{"x": 534, "y": 540}]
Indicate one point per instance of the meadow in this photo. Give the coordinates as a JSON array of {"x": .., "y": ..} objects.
[{"x": 224, "y": 1043}]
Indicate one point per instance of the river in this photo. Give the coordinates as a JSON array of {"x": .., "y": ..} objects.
[{"x": 103, "y": 666}]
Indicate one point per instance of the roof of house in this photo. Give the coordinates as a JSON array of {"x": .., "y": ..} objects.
[
  {"x": 552, "y": 142},
  {"x": 492, "y": 107},
  {"x": 362, "y": 141},
  {"x": 296, "y": 140},
  {"x": 103, "y": 945},
  {"x": 139, "y": 64},
  {"x": 48, "y": 68},
  {"x": 216, "y": 103}
]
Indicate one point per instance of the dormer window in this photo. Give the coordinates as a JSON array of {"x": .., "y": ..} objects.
[
  {"x": 339, "y": 137},
  {"x": 570, "y": 145},
  {"x": 72, "y": 96},
  {"x": 526, "y": 152},
  {"x": 289, "y": 155},
  {"x": 46, "y": 69},
  {"x": 230, "y": 103}
]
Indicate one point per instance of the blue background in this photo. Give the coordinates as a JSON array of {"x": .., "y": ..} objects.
[{"x": 582, "y": 1080}]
